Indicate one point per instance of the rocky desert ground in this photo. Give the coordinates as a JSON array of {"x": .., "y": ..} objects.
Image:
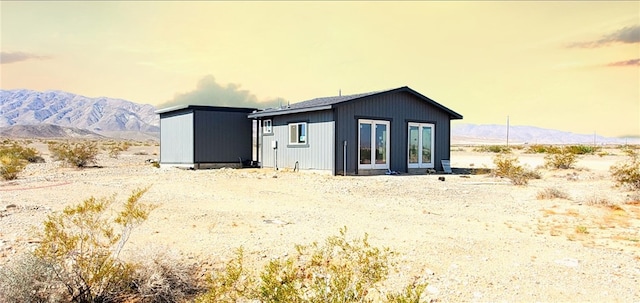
[{"x": 472, "y": 237}]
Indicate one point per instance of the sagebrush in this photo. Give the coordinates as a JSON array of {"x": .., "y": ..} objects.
[
  {"x": 340, "y": 270},
  {"x": 508, "y": 166},
  {"x": 561, "y": 158},
  {"x": 627, "y": 173},
  {"x": 81, "y": 246},
  {"x": 78, "y": 154}
]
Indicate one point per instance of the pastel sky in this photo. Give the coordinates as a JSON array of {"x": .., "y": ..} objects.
[{"x": 568, "y": 65}]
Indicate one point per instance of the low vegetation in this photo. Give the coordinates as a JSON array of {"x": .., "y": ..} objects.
[
  {"x": 551, "y": 193},
  {"x": 78, "y": 256},
  {"x": 492, "y": 149},
  {"x": 77, "y": 260},
  {"x": 116, "y": 148},
  {"x": 79, "y": 154},
  {"x": 14, "y": 158},
  {"x": 627, "y": 173},
  {"x": 340, "y": 270},
  {"x": 560, "y": 158},
  {"x": 508, "y": 166}
]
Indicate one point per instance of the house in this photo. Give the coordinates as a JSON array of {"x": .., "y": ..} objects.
[
  {"x": 394, "y": 130},
  {"x": 205, "y": 136}
]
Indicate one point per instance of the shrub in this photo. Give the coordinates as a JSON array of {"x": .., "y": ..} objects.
[
  {"x": 81, "y": 247},
  {"x": 29, "y": 279},
  {"x": 340, "y": 270},
  {"x": 538, "y": 149},
  {"x": 116, "y": 148},
  {"x": 627, "y": 173},
  {"x": 551, "y": 193},
  {"x": 563, "y": 158},
  {"x": 508, "y": 166},
  {"x": 583, "y": 149},
  {"x": 162, "y": 277},
  {"x": 230, "y": 285},
  {"x": 492, "y": 149},
  {"x": 17, "y": 151},
  {"x": 79, "y": 154},
  {"x": 11, "y": 166}
]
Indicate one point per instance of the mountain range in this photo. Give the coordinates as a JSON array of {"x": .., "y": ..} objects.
[
  {"x": 100, "y": 115},
  {"x": 29, "y": 113}
]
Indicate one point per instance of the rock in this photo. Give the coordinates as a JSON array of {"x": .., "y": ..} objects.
[
  {"x": 432, "y": 290},
  {"x": 569, "y": 262},
  {"x": 10, "y": 206}
]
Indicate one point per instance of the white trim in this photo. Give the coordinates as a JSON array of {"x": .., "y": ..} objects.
[
  {"x": 420, "y": 127},
  {"x": 387, "y": 140},
  {"x": 300, "y": 139},
  {"x": 267, "y": 126}
]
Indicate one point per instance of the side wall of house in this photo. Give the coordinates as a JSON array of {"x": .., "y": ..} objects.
[
  {"x": 399, "y": 108},
  {"x": 316, "y": 155},
  {"x": 222, "y": 136},
  {"x": 176, "y": 138}
]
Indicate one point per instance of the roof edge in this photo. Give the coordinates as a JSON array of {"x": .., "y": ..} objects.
[{"x": 205, "y": 107}]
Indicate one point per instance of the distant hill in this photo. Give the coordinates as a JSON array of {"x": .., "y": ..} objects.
[
  {"x": 497, "y": 134},
  {"x": 46, "y": 131},
  {"x": 100, "y": 115}
]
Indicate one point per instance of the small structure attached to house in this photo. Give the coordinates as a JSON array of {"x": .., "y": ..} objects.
[
  {"x": 205, "y": 136},
  {"x": 397, "y": 130}
]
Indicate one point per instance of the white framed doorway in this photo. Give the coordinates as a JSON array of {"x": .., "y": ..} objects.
[
  {"x": 373, "y": 144},
  {"x": 421, "y": 141}
]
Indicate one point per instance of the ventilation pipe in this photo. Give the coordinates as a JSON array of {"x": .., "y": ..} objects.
[{"x": 344, "y": 158}]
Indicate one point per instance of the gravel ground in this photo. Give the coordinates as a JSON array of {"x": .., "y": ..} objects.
[{"x": 471, "y": 237}]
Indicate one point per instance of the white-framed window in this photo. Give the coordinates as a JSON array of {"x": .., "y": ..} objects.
[
  {"x": 298, "y": 133},
  {"x": 267, "y": 127}
]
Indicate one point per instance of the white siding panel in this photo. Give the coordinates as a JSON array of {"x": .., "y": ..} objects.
[{"x": 176, "y": 139}]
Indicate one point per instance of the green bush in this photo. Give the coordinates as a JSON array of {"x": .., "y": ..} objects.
[
  {"x": 78, "y": 154},
  {"x": 81, "y": 247},
  {"x": 538, "y": 149},
  {"x": 627, "y": 173},
  {"x": 11, "y": 166},
  {"x": 17, "y": 151},
  {"x": 583, "y": 149},
  {"x": 508, "y": 166},
  {"x": 562, "y": 158},
  {"x": 492, "y": 149},
  {"x": 340, "y": 270}
]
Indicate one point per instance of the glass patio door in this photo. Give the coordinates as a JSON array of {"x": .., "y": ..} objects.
[
  {"x": 373, "y": 144},
  {"x": 421, "y": 142}
]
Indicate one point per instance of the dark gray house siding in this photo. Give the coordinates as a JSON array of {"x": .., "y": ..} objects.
[
  {"x": 399, "y": 109},
  {"x": 394, "y": 111},
  {"x": 205, "y": 136}
]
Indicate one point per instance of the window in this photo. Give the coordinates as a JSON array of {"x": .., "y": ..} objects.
[
  {"x": 266, "y": 126},
  {"x": 298, "y": 133}
]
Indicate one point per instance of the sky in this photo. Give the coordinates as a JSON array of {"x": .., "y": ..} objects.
[{"x": 566, "y": 65}]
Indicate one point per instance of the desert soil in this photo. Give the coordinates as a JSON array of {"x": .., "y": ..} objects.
[{"x": 471, "y": 237}]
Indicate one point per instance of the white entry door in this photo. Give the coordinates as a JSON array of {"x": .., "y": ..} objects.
[
  {"x": 373, "y": 144},
  {"x": 421, "y": 143}
]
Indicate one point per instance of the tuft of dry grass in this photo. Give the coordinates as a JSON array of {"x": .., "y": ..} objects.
[{"x": 552, "y": 193}]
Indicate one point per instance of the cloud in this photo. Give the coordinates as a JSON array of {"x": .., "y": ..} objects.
[
  {"x": 12, "y": 57},
  {"x": 209, "y": 92},
  {"x": 629, "y": 34},
  {"x": 632, "y": 62}
]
